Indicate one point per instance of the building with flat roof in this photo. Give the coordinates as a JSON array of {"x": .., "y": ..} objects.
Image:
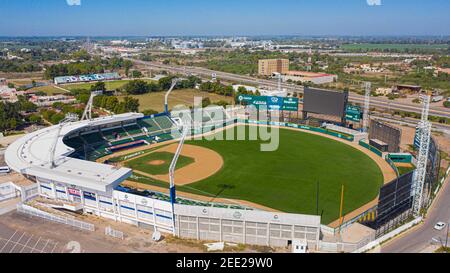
[
  {"x": 269, "y": 66},
  {"x": 305, "y": 76}
]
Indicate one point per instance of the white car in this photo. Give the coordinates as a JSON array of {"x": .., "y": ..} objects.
[{"x": 440, "y": 226}]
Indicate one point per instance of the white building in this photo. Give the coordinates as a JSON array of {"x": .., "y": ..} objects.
[{"x": 304, "y": 76}]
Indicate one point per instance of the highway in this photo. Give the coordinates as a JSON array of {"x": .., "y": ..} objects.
[
  {"x": 378, "y": 102},
  {"x": 419, "y": 238}
]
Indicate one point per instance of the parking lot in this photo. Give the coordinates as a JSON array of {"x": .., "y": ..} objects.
[
  {"x": 22, "y": 242},
  {"x": 20, "y": 233}
]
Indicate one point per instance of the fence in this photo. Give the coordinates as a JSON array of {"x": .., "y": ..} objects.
[
  {"x": 299, "y": 126},
  {"x": 114, "y": 233},
  {"x": 389, "y": 235},
  {"x": 333, "y": 231},
  {"x": 390, "y": 162},
  {"x": 31, "y": 211},
  {"x": 394, "y": 223},
  {"x": 447, "y": 173},
  {"x": 371, "y": 148},
  {"x": 344, "y": 247}
]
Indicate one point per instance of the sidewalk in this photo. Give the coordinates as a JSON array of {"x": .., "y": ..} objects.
[{"x": 8, "y": 205}]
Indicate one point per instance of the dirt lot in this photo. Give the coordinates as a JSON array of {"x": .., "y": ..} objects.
[{"x": 20, "y": 233}]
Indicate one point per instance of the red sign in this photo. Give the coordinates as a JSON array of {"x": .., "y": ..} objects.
[{"x": 74, "y": 192}]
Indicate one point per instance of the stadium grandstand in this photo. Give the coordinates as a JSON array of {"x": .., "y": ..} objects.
[
  {"x": 87, "y": 78},
  {"x": 97, "y": 142}
]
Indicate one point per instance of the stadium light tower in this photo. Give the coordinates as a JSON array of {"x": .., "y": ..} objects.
[
  {"x": 366, "y": 116},
  {"x": 70, "y": 117},
  {"x": 87, "y": 114},
  {"x": 424, "y": 129},
  {"x": 166, "y": 99},
  {"x": 173, "y": 197}
]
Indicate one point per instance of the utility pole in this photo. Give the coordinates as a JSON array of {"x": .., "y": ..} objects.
[
  {"x": 166, "y": 98},
  {"x": 317, "y": 198},
  {"x": 366, "y": 117},
  {"x": 341, "y": 208}
]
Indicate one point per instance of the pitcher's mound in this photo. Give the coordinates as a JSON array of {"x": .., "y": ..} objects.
[{"x": 157, "y": 162}]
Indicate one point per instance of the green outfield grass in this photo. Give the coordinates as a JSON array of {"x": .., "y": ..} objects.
[
  {"x": 287, "y": 179},
  {"x": 142, "y": 163}
]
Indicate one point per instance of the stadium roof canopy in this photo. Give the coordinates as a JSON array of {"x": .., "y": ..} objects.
[{"x": 31, "y": 155}]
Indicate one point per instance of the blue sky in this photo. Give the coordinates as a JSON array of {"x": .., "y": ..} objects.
[{"x": 223, "y": 17}]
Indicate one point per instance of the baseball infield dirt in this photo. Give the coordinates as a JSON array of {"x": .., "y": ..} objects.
[
  {"x": 207, "y": 162},
  {"x": 156, "y": 162}
]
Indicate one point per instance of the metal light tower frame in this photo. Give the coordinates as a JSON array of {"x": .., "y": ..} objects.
[
  {"x": 366, "y": 116},
  {"x": 173, "y": 196},
  {"x": 166, "y": 98},
  {"x": 87, "y": 114},
  {"x": 422, "y": 159},
  {"x": 70, "y": 117}
]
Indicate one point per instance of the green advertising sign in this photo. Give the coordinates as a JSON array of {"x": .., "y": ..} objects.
[
  {"x": 272, "y": 103},
  {"x": 290, "y": 104},
  {"x": 353, "y": 113}
]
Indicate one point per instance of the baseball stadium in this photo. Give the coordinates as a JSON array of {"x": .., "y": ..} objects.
[
  {"x": 306, "y": 167},
  {"x": 227, "y": 188}
]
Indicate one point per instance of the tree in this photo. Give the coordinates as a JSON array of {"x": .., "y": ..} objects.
[
  {"x": 98, "y": 86},
  {"x": 166, "y": 82},
  {"x": 136, "y": 87},
  {"x": 83, "y": 98},
  {"x": 205, "y": 102},
  {"x": 56, "y": 118},
  {"x": 35, "y": 119},
  {"x": 131, "y": 104},
  {"x": 136, "y": 74},
  {"x": 127, "y": 65}
]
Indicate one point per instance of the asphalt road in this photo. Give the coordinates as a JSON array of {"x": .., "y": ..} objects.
[
  {"x": 375, "y": 101},
  {"x": 420, "y": 237}
]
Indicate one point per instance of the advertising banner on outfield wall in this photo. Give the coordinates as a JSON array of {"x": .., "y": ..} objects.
[{"x": 272, "y": 103}]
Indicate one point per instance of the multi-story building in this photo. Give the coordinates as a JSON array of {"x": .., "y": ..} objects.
[{"x": 269, "y": 66}]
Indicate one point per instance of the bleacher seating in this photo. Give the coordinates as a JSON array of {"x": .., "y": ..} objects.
[
  {"x": 115, "y": 133},
  {"x": 97, "y": 144},
  {"x": 133, "y": 130}
]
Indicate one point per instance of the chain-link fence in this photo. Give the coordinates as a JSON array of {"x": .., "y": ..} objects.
[{"x": 31, "y": 211}]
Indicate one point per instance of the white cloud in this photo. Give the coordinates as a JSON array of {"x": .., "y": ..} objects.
[
  {"x": 374, "y": 2},
  {"x": 73, "y": 2}
]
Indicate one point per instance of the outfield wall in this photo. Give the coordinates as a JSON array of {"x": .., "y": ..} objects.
[{"x": 299, "y": 126}]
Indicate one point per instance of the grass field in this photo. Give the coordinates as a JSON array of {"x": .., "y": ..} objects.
[
  {"x": 50, "y": 90},
  {"x": 155, "y": 100},
  {"x": 143, "y": 163},
  {"x": 287, "y": 179},
  {"x": 110, "y": 85}
]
